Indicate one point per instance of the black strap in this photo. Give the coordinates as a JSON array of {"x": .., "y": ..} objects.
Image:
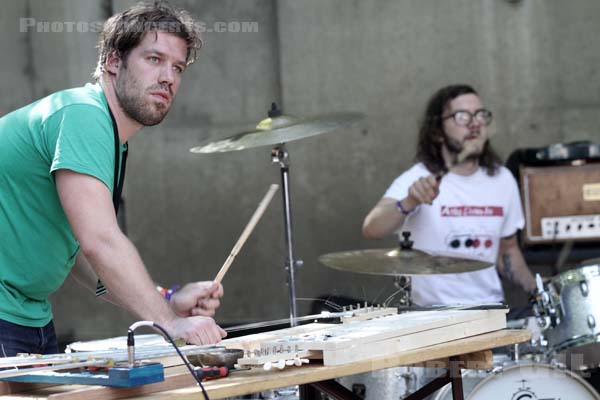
[{"x": 119, "y": 177}]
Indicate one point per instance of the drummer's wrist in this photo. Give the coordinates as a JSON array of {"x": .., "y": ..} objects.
[{"x": 406, "y": 206}]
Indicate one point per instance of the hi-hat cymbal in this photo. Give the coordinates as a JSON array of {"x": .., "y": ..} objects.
[
  {"x": 398, "y": 262},
  {"x": 279, "y": 129}
]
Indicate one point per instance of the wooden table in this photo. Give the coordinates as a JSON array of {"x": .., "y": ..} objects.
[{"x": 180, "y": 385}]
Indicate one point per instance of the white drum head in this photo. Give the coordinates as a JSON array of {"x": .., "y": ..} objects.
[{"x": 532, "y": 382}]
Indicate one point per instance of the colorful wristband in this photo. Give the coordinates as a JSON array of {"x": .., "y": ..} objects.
[
  {"x": 167, "y": 293},
  {"x": 402, "y": 210}
]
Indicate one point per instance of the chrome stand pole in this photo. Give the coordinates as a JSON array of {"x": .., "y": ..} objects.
[{"x": 280, "y": 155}]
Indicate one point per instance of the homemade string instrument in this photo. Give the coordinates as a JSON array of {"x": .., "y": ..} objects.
[{"x": 360, "y": 334}]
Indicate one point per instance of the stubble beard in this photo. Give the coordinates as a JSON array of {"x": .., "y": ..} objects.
[{"x": 131, "y": 99}]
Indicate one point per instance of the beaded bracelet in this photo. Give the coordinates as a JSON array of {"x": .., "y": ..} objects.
[{"x": 167, "y": 293}]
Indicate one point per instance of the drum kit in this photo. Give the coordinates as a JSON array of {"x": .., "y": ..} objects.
[
  {"x": 565, "y": 344},
  {"x": 565, "y": 341},
  {"x": 566, "y": 308},
  {"x": 564, "y": 349}
]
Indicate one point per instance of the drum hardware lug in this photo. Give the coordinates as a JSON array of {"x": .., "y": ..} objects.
[
  {"x": 410, "y": 381},
  {"x": 591, "y": 321},
  {"x": 545, "y": 298},
  {"x": 558, "y": 364},
  {"x": 585, "y": 290},
  {"x": 542, "y": 321},
  {"x": 497, "y": 370},
  {"x": 554, "y": 318}
]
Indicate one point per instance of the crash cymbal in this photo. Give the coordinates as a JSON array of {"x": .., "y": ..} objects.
[
  {"x": 399, "y": 262},
  {"x": 279, "y": 129}
]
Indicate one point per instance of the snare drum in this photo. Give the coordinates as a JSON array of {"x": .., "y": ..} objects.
[
  {"x": 577, "y": 335},
  {"x": 522, "y": 381}
]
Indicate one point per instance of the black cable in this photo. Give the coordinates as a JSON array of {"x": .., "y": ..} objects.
[{"x": 185, "y": 361}]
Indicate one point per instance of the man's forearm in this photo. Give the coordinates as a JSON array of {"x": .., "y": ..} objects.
[
  {"x": 383, "y": 220},
  {"x": 119, "y": 266},
  {"x": 512, "y": 266},
  {"x": 84, "y": 274}
]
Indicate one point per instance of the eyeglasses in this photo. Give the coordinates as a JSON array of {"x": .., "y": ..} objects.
[{"x": 464, "y": 117}]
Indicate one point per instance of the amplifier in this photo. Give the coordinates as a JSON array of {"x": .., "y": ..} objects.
[{"x": 561, "y": 203}]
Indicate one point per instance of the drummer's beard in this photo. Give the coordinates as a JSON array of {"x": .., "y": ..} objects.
[{"x": 456, "y": 147}]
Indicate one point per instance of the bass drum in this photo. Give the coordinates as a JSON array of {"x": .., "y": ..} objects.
[{"x": 523, "y": 381}]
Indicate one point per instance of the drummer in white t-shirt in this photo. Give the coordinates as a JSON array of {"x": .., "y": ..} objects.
[{"x": 458, "y": 199}]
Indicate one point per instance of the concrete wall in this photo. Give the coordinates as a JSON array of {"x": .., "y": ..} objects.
[{"x": 534, "y": 61}]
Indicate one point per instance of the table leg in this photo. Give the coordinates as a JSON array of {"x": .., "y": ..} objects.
[
  {"x": 456, "y": 379},
  {"x": 429, "y": 388},
  {"x": 330, "y": 387}
]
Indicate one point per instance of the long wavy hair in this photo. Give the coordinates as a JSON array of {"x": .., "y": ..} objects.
[{"x": 432, "y": 136}]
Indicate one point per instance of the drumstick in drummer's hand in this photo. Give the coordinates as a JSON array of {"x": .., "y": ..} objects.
[{"x": 247, "y": 231}]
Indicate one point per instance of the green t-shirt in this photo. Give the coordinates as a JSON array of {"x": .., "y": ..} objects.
[{"x": 71, "y": 129}]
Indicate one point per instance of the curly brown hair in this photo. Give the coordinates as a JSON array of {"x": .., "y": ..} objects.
[
  {"x": 432, "y": 136},
  {"x": 124, "y": 31}
]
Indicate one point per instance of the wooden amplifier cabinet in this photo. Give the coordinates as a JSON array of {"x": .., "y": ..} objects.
[{"x": 561, "y": 203}]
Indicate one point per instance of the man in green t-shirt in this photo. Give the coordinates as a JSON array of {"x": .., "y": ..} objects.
[{"x": 60, "y": 174}]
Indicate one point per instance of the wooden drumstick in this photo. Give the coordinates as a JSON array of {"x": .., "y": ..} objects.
[{"x": 247, "y": 231}]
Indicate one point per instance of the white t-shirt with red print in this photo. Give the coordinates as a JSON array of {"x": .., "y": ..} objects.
[{"x": 468, "y": 219}]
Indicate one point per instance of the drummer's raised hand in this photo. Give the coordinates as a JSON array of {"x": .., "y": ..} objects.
[
  {"x": 423, "y": 191},
  {"x": 389, "y": 214},
  {"x": 197, "y": 299}
]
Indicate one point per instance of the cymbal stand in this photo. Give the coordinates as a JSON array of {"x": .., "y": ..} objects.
[
  {"x": 404, "y": 285},
  {"x": 279, "y": 154}
]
